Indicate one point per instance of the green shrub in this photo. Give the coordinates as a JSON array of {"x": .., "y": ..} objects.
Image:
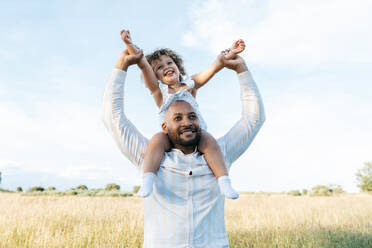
[
  {"x": 126, "y": 194},
  {"x": 36, "y": 188},
  {"x": 101, "y": 193},
  {"x": 304, "y": 192},
  {"x": 136, "y": 189},
  {"x": 112, "y": 186},
  {"x": 335, "y": 189},
  {"x": 82, "y": 187},
  {"x": 294, "y": 193},
  {"x": 320, "y": 190},
  {"x": 19, "y": 189},
  {"x": 364, "y": 177},
  {"x": 51, "y": 188},
  {"x": 71, "y": 192},
  {"x": 113, "y": 193},
  {"x": 88, "y": 193}
]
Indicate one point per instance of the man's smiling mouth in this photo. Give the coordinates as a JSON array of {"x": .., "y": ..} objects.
[{"x": 188, "y": 130}]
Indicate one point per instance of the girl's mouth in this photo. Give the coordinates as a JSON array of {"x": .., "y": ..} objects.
[{"x": 169, "y": 73}]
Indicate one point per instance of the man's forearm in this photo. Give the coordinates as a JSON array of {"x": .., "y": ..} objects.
[
  {"x": 240, "y": 136},
  {"x": 129, "y": 140},
  {"x": 121, "y": 64},
  {"x": 241, "y": 68}
]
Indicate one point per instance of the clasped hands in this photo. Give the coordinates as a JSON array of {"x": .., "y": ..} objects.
[{"x": 125, "y": 60}]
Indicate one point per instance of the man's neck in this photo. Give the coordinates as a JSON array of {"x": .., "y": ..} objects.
[{"x": 185, "y": 149}]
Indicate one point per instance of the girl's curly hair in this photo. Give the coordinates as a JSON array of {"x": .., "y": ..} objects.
[{"x": 168, "y": 52}]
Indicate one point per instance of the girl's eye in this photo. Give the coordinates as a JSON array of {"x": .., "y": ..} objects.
[
  {"x": 170, "y": 62},
  {"x": 159, "y": 68}
]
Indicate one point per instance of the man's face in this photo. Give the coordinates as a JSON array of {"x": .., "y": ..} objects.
[{"x": 182, "y": 125}]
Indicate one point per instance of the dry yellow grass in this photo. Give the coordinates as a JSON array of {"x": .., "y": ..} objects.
[{"x": 252, "y": 221}]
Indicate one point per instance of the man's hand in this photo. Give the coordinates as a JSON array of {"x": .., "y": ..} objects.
[
  {"x": 237, "y": 64},
  {"x": 125, "y": 59}
]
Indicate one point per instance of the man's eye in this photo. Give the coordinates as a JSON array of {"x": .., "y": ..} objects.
[
  {"x": 177, "y": 118},
  {"x": 193, "y": 117}
]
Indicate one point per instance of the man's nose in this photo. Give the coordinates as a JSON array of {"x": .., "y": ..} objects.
[{"x": 187, "y": 122}]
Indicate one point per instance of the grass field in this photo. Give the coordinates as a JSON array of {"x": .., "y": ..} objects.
[{"x": 252, "y": 221}]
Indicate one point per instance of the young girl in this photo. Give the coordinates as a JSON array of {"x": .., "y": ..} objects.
[{"x": 162, "y": 72}]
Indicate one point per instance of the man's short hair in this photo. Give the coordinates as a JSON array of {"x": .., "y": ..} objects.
[{"x": 167, "y": 105}]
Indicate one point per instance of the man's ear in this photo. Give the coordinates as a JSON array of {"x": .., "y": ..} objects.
[{"x": 164, "y": 128}]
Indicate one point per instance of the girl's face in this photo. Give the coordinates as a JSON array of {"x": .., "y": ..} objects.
[{"x": 166, "y": 70}]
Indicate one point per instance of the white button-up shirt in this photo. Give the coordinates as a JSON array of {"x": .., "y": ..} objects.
[{"x": 186, "y": 208}]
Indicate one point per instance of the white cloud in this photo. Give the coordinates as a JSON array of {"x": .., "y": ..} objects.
[{"x": 285, "y": 32}]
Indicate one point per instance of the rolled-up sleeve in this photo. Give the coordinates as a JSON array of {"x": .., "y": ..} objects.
[
  {"x": 241, "y": 135},
  {"x": 129, "y": 140}
]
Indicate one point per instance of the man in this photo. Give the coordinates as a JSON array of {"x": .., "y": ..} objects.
[{"x": 186, "y": 208}]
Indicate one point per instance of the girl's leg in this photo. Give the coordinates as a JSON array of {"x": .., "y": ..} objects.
[
  {"x": 213, "y": 156},
  {"x": 154, "y": 153}
]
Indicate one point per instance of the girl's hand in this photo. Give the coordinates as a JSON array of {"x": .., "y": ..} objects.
[{"x": 125, "y": 36}]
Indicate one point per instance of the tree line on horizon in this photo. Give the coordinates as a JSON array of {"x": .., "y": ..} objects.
[{"x": 363, "y": 176}]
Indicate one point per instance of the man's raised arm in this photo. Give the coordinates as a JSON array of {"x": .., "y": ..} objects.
[
  {"x": 240, "y": 136},
  {"x": 129, "y": 140}
]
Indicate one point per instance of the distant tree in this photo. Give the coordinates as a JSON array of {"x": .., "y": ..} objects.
[
  {"x": 335, "y": 189},
  {"x": 19, "y": 189},
  {"x": 82, "y": 187},
  {"x": 36, "y": 188},
  {"x": 136, "y": 189},
  {"x": 364, "y": 177},
  {"x": 304, "y": 192},
  {"x": 0, "y": 177},
  {"x": 294, "y": 193},
  {"x": 112, "y": 186},
  {"x": 320, "y": 190},
  {"x": 51, "y": 188}
]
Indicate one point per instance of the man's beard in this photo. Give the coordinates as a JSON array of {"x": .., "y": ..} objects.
[{"x": 175, "y": 138}]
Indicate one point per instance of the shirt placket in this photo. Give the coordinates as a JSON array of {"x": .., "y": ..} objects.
[{"x": 190, "y": 207}]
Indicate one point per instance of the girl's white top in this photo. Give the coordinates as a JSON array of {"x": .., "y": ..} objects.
[
  {"x": 182, "y": 94},
  {"x": 186, "y": 208}
]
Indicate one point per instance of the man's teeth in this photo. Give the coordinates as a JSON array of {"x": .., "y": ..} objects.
[{"x": 186, "y": 131}]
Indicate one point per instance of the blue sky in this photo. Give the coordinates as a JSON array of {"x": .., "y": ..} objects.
[{"x": 311, "y": 60}]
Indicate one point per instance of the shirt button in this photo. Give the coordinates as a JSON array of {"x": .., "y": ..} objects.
[{"x": 190, "y": 173}]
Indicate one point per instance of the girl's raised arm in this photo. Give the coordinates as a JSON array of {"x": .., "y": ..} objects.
[
  {"x": 204, "y": 76},
  {"x": 148, "y": 74},
  {"x": 151, "y": 81}
]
